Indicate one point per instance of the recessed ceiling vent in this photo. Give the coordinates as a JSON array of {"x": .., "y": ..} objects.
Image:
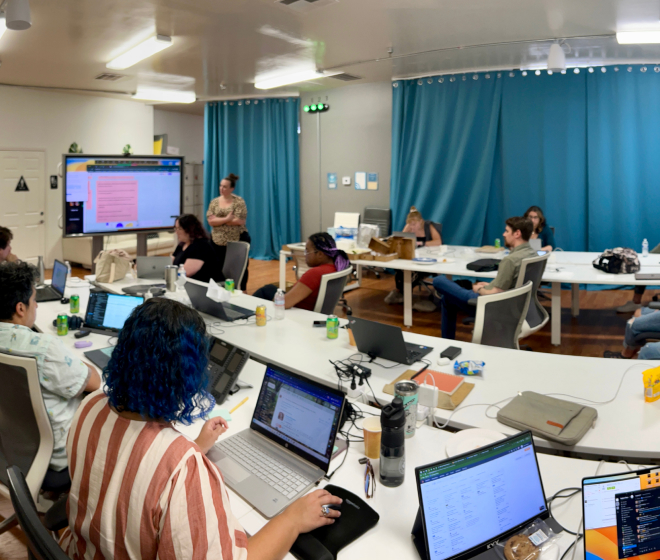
[
  {"x": 346, "y": 77},
  {"x": 110, "y": 77},
  {"x": 305, "y": 6}
]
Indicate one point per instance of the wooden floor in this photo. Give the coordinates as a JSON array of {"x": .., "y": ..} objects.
[{"x": 597, "y": 328}]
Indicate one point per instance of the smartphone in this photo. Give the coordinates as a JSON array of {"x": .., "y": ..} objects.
[
  {"x": 319, "y": 323},
  {"x": 452, "y": 352}
]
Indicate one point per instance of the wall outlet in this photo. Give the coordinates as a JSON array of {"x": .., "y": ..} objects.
[{"x": 346, "y": 181}]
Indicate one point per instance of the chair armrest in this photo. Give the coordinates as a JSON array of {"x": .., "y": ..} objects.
[
  {"x": 654, "y": 305},
  {"x": 472, "y": 302}
]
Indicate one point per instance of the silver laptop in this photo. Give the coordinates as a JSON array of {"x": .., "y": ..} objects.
[
  {"x": 535, "y": 244},
  {"x": 57, "y": 286},
  {"x": 647, "y": 276},
  {"x": 289, "y": 443},
  {"x": 152, "y": 267},
  {"x": 407, "y": 234}
]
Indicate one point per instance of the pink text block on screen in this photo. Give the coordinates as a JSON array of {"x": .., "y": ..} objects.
[{"x": 116, "y": 199}]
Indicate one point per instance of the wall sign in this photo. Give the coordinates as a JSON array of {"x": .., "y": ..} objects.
[
  {"x": 360, "y": 181},
  {"x": 332, "y": 180},
  {"x": 53, "y": 181},
  {"x": 21, "y": 185},
  {"x": 372, "y": 181}
]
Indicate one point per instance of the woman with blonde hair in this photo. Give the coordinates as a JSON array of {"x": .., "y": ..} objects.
[{"x": 428, "y": 234}]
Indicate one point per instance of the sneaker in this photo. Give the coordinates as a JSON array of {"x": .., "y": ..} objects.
[
  {"x": 395, "y": 296},
  {"x": 629, "y": 307},
  {"x": 424, "y": 305}
]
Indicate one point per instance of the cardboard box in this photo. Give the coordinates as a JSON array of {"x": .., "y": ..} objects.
[
  {"x": 384, "y": 258},
  {"x": 404, "y": 247},
  {"x": 379, "y": 246}
]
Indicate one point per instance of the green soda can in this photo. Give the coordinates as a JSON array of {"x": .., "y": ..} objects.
[
  {"x": 74, "y": 304},
  {"x": 498, "y": 244},
  {"x": 230, "y": 285},
  {"x": 62, "y": 325},
  {"x": 332, "y": 326}
]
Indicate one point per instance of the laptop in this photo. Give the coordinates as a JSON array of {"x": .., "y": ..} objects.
[
  {"x": 58, "y": 284},
  {"x": 469, "y": 502},
  {"x": 289, "y": 443},
  {"x": 621, "y": 515},
  {"x": 407, "y": 234},
  {"x": 152, "y": 267},
  {"x": 106, "y": 313},
  {"x": 535, "y": 244},
  {"x": 647, "y": 276},
  {"x": 385, "y": 341},
  {"x": 224, "y": 311}
]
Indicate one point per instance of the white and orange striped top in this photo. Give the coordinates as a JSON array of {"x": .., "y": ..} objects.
[{"x": 141, "y": 491}]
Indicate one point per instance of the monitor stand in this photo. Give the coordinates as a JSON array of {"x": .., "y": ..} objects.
[{"x": 141, "y": 245}]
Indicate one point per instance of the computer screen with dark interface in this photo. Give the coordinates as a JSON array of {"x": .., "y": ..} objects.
[
  {"x": 109, "y": 311},
  {"x": 115, "y": 194}
]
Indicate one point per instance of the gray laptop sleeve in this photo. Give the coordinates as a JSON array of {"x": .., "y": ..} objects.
[{"x": 547, "y": 417}]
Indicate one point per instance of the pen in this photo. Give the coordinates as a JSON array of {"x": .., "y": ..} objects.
[
  {"x": 239, "y": 405},
  {"x": 420, "y": 372}
]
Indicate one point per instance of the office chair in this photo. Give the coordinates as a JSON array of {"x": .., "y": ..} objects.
[
  {"x": 236, "y": 261},
  {"x": 381, "y": 217},
  {"x": 331, "y": 290},
  {"x": 26, "y": 436},
  {"x": 299, "y": 263},
  {"x": 500, "y": 317},
  {"x": 41, "y": 544},
  {"x": 532, "y": 269}
]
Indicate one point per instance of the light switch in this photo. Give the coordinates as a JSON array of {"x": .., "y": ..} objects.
[{"x": 346, "y": 181}]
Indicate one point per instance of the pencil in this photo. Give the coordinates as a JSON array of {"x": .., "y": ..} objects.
[{"x": 239, "y": 405}]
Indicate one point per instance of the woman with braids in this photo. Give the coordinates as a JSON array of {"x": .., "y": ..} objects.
[
  {"x": 322, "y": 257},
  {"x": 141, "y": 490}
]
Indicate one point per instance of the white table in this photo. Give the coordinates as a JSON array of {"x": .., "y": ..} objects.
[{"x": 625, "y": 428}]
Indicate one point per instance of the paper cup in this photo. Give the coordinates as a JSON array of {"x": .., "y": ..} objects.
[{"x": 371, "y": 429}]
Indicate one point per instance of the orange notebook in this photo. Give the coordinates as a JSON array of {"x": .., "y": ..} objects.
[{"x": 445, "y": 382}]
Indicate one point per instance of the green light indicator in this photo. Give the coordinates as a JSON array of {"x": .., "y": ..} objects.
[
  {"x": 306, "y": 108},
  {"x": 312, "y": 108}
]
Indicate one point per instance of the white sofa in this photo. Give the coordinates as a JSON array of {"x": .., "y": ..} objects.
[{"x": 79, "y": 249}]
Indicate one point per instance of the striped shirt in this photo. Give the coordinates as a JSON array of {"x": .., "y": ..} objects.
[{"x": 141, "y": 491}]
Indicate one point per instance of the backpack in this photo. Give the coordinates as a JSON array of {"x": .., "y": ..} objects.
[
  {"x": 484, "y": 265},
  {"x": 620, "y": 260}
]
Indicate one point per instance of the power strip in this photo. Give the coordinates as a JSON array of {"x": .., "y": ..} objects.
[{"x": 361, "y": 372}]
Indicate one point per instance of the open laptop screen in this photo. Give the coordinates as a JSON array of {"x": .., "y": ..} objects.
[
  {"x": 109, "y": 311},
  {"x": 469, "y": 501},
  {"x": 300, "y": 414},
  {"x": 60, "y": 271},
  {"x": 622, "y": 516}
]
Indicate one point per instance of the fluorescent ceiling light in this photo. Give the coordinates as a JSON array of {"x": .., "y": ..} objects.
[
  {"x": 3, "y": 25},
  {"x": 294, "y": 78},
  {"x": 139, "y": 52},
  {"x": 165, "y": 95},
  {"x": 637, "y": 37}
]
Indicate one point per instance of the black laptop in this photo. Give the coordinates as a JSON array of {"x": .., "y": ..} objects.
[
  {"x": 224, "y": 311},
  {"x": 385, "y": 341},
  {"x": 56, "y": 289},
  {"x": 106, "y": 313}
]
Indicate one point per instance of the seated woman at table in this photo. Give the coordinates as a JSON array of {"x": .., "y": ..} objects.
[
  {"x": 322, "y": 257},
  {"x": 542, "y": 231},
  {"x": 141, "y": 489},
  {"x": 428, "y": 235},
  {"x": 195, "y": 251}
]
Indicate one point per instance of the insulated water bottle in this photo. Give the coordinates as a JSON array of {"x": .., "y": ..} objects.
[{"x": 392, "y": 443}]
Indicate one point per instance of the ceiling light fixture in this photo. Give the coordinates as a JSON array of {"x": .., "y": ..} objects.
[
  {"x": 556, "y": 58},
  {"x": 637, "y": 37},
  {"x": 18, "y": 15},
  {"x": 297, "y": 77},
  {"x": 164, "y": 95},
  {"x": 139, "y": 52}
]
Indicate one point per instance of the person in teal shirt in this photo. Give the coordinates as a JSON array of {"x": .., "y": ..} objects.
[{"x": 542, "y": 230}]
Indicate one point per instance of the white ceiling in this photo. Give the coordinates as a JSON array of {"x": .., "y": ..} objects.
[{"x": 224, "y": 44}]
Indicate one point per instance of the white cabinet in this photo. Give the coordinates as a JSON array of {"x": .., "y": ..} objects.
[
  {"x": 198, "y": 173},
  {"x": 188, "y": 175},
  {"x": 198, "y": 194},
  {"x": 188, "y": 196}
]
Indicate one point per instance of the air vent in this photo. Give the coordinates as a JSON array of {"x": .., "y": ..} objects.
[
  {"x": 109, "y": 77},
  {"x": 304, "y": 6},
  {"x": 346, "y": 77}
]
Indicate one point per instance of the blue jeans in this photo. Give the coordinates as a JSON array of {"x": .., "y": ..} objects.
[
  {"x": 648, "y": 322},
  {"x": 453, "y": 297},
  {"x": 650, "y": 352}
]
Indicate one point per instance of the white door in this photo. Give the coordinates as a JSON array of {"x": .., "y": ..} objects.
[{"x": 22, "y": 208}]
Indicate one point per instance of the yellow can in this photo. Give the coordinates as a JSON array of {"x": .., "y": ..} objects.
[{"x": 261, "y": 315}]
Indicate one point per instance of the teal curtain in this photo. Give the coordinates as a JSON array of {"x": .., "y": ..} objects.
[
  {"x": 470, "y": 153},
  {"x": 258, "y": 141}
]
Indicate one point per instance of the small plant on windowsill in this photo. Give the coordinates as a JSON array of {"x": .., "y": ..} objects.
[
  {"x": 75, "y": 149},
  {"x": 127, "y": 151}
]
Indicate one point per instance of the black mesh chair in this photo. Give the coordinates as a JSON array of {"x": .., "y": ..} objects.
[
  {"x": 41, "y": 544},
  {"x": 236, "y": 261},
  {"x": 26, "y": 436},
  {"x": 331, "y": 290},
  {"x": 500, "y": 317},
  {"x": 381, "y": 217},
  {"x": 531, "y": 270}
]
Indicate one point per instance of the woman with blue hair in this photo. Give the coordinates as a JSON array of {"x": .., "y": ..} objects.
[
  {"x": 322, "y": 257},
  {"x": 141, "y": 489}
]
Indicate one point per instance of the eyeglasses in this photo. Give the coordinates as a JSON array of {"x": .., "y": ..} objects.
[{"x": 369, "y": 478}]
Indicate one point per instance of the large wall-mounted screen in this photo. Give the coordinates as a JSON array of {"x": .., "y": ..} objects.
[{"x": 115, "y": 194}]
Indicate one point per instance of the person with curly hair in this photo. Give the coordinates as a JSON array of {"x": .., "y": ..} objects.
[
  {"x": 63, "y": 376},
  {"x": 195, "y": 251},
  {"x": 141, "y": 489},
  {"x": 6, "y": 237},
  {"x": 322, "y": 257}
]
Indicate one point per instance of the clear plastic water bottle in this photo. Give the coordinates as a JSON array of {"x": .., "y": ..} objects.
[
  {"x": 68, "y": 268},
  {"x": 645, "y": 248},
  {"x": 278, "y": 300},
  {"x": 181, "y": 277}
]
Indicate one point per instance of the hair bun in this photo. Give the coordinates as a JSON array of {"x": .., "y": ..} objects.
[
  {"x": 413, "y": 209},
  {"x": 233, "y": 177}
]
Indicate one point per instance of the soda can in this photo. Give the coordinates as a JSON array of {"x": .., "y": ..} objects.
[
  {"x": 230, "y": 285},
  {"x": 74, "y": 304},
  {"x": 408, "y": 392},
  {"x": 261, "y": 315},
  {"x": 498, "y": 243},
  {"x": 62, "y": 325},
  {"x": 332, "y": 326}
]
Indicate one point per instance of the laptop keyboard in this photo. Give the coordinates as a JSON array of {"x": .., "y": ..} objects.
[{"x": 264, "y": 466}]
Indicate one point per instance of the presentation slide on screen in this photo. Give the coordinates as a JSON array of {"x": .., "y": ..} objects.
[
  {"x": 109, "y": 195},
  {"x": 118, "y": 309}
]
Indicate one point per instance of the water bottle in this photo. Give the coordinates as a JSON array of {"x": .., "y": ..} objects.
[
  {"x": 645, "y": 248},
  {"x": 278, "y": 300},
  {"x": 392, "y": 443},
  {"x": 42, "y": 270},
  {"x": 181, "y": 277}
]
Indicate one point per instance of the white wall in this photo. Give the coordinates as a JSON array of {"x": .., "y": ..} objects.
[
  {"x": 51, "y": 121},
  {"x": 184, "y": 131}
]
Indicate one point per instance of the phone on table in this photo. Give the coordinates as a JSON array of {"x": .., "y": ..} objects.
[
  {"x": 452, "y": 352},
  {"x": 319, "y": 323}
]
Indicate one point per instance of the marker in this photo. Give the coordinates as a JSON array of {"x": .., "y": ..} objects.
[
  {"x": 420, "y": 372},
  {"x": 239, "y": 405}
]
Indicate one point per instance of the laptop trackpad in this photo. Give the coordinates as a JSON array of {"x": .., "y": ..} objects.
[{"x": 231, "y": 469}]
